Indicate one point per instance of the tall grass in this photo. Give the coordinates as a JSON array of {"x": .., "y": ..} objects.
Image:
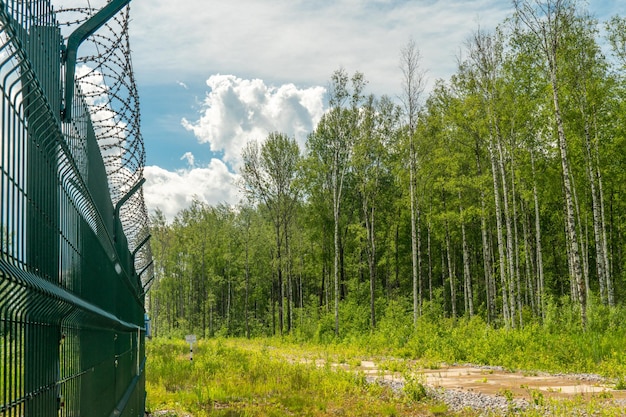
[
  {"x": 225, "y": 379},
  {"x": 557, "y": 344}
]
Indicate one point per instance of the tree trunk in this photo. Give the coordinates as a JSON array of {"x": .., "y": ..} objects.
[
  {"x": 414, "y": 266},
  {"x": 228, "y": 307},
  {"x": 516, "y": 239},
  {"x": 509, "y": 229},
  {"x": 371, "y": 260},
  {"x": 584, "y": 241},
  {"x": 489, "y": 294},
  {"x": 247, "y": 272},
  {"x": 538, "y": 249},
  {"x": 430, "y": 267},
  {"x": 336, "y": 262},
  {"x": 273, "y": 300},
  {"x": 607, "y": 266},
  {"x": 443, "y": 277},
  {"x": 570, "y": 220},
  {"x": 529, "y": 265},
  {"x": 413, "y": 83},
  {"x": 595, "y": 208},
  {"x": 502, "y": 262},
  {"x": 396, "y": 251},
  {"x": 450, "y": 272},
  {"x": 468, "y": 294},
  {"x": 281, "y": 286},
  {"x": 420, "y": 284},
  {"x": 289, "y": 294}
]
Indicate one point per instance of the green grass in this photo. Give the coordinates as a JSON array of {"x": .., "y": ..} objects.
[
  {"x": 247, "y": 378},
  {"x": 298, "y": 376},
  {"x": 556, "y": 347}
]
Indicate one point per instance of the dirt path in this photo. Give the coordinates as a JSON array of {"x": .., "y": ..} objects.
[{"x": 493, "y": 381}]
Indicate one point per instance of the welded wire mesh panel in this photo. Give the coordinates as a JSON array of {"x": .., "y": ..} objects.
[{"x": 71, "y": 301}]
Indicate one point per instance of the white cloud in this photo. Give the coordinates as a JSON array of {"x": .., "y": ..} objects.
[
  {"x": 236, "y": 111},
  {"x": 303, "y": 41},
  {"x": 188, "y": 156},
  {"x": 173, "y": 191}
]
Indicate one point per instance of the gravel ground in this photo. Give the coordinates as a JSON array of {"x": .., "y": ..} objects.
[
  {"x": 458, "y": 400},
  {"x": 591, "y": 378}
]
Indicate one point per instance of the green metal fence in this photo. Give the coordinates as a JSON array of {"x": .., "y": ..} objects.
[{"x": 73, "y": 224}]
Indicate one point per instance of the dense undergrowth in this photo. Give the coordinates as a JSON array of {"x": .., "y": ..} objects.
[
  {"x": 554, "y": 343},
  {"x": 557, "y": 344}
]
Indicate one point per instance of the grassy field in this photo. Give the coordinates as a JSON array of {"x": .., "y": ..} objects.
[
  {"x": 298, "y": 375},
  {"x": 281, "y": 377},
  {"x": 237, "y": 377}
]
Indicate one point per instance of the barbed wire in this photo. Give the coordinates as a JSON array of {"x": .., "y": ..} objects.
[{"x": 107, "y": 81}]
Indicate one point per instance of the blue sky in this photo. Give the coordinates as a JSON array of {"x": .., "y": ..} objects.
[
  {"x": 163, "y": 108},
  {"x": 213, "y": 75}
]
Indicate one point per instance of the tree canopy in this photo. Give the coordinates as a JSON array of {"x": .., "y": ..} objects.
[{"x": 501, "y": 194}]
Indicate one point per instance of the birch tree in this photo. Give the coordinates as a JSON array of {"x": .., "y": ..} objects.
[
  {"x": 547, "y": 21},
  {"x": 484, "y": 66},
  {"x": 413, "y": 79},
  {"x": 332, "y": 145},
  {"x": 589, "y": 91},
  {"x": 268, "y": 175},
  {"x": 378, "y": 128}
]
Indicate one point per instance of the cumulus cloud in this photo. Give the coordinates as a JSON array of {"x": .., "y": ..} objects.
[
  {"x": 171, "y": 191},
  {"x": 237, "y": 110}
]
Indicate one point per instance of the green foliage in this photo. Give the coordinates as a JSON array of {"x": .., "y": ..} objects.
[
  {"x": 325, "y": 332},
  {"x": 395, "y": 326},
  {"x": 415, "y": 387},
  {"x": 280, "y": 377},
  {"x": 487, "y": 134}
]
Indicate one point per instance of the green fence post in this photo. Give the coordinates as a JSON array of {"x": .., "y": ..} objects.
[{"x": 41, "y": 344}]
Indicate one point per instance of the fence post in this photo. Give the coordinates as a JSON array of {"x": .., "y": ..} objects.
[
  {"x": 73, "y": 42},
  {"x": 42, "y": 344}
]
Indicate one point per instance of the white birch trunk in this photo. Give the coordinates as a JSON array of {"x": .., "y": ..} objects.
[
  {"x": 469, "y": 298},
  {"x": 486, "y": 260},
  {"x": 509, "y": 231},
  {"x": 607, "y": 265},
  {"x": 414, "y": 267},
  {"x": 570, "y": 220},
  {"x": 538, "y": 249},
  {"x": 450, "y": 272},
  {"x": 597, "y": 226},
  {"x": 502, "y": 263},
  {"x": 516, "y": 242}
]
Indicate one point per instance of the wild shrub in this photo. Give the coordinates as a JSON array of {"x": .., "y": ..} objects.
[{"x": 414, "y": 387}]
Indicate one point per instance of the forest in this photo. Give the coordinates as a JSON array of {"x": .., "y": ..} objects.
[{"x": 499, "y": 195}]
